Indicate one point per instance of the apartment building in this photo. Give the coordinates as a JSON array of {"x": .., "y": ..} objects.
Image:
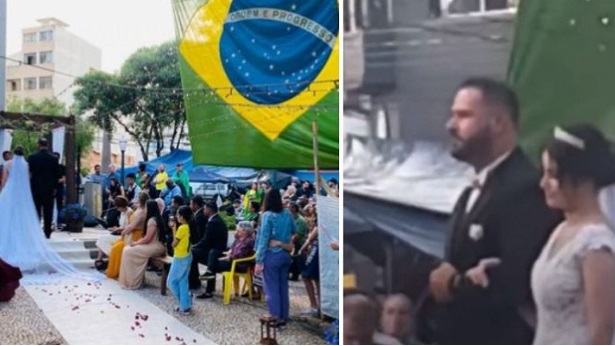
[{"x": 50, "y": 59}]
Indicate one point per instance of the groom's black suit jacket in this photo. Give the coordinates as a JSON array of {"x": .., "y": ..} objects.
[
  {"x": 516, "y": 223},
  {"x": 45, "y": 171}
]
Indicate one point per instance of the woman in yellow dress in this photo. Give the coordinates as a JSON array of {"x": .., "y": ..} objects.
[{"x": 131, "y": 233}]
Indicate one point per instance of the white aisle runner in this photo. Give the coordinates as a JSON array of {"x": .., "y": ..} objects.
[{"x": 103, "y": 313}]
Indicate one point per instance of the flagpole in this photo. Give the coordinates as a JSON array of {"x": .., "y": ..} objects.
[
  {"x": 316, "y": 177},
  {"x": 316, "y": 169}
]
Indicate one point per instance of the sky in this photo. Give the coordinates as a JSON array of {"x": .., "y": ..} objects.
[{"x": 117, "y": 27}]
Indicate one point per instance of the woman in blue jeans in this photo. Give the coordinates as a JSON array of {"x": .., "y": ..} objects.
[{"x": 273, "y": 258}]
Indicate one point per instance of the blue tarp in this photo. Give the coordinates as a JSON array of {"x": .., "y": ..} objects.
[
  {"x": 309, "y": 175},
  {"x": 215, "y": 174},
  {"x": 169, "y": 160},
  {"x": 201, "y": 174}
]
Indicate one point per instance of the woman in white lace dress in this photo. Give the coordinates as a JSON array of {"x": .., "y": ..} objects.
[{"x": 573, "y": 280}]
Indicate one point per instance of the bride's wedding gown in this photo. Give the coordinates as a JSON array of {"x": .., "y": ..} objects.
[{"x": 22, "y": 242}]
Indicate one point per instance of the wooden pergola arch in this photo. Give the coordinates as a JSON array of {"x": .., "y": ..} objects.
[{"x": 14, "y": 121}]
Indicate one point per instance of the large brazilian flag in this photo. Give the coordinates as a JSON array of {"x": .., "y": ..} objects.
[
  {"x": 256, "y": 74},
  {"x": 563, "y": 66}
]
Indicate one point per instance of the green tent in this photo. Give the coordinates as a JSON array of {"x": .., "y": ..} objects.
[{"x": 563, "y": 67}]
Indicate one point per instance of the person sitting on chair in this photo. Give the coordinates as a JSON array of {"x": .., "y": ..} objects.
[{"x": 242, "y": 247}]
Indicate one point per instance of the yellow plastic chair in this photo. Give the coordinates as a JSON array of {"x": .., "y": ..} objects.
[
  {"x": 350, "y": 281},
  {"x": 231, "y": 279}
]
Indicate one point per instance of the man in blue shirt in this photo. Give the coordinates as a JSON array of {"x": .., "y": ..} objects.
[
  {"x": 97, "y": 177},
  {"x": 112, "y": 174},
  {"x": 170, "y": 191}
]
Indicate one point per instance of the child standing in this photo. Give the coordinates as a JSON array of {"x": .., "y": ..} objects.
[{"x": 182, "y": 259}]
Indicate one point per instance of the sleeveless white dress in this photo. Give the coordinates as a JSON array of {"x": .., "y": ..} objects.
[
  {"x": 22, "y": 242},
  {"x": 557, "y": 285}
]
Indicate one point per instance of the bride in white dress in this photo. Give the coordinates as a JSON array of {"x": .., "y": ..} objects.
[
  {"x": 22, "y": 243},
  {"x": 573, "y": 280}
]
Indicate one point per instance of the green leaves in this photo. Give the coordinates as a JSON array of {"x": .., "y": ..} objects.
[
  {"x": 145, "y": 98},
  {"x": 28, "y": 132}
]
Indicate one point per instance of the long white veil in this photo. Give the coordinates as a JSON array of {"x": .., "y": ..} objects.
[{"x": 22, "y": 243}]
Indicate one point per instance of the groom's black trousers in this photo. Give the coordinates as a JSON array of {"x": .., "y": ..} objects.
[{"x": 44, "y": 203}]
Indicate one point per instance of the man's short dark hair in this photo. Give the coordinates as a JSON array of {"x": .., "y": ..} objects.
[
  {"x": 294, "y": 207},
  {"x": 142, "y": 166},
  {"x": 212, "y": 206},
  {"x": 179, "y": 200},
  {"x": 131, "y": 175},
  {"x": 496, "y": 93},
  {"x": 6, "y": 152},
  {"x": 198, "y": 201},
  {"x": 43, "y": 142}
]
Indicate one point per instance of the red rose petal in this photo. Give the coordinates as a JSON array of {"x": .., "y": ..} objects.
[
  {"x": 132, "y": 327},
  {"x": 141, "y": 335},
  {"x": 137, "y": 323}
]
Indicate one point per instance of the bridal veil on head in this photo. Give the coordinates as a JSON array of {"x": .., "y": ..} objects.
[{"x": 22, "y": 243}]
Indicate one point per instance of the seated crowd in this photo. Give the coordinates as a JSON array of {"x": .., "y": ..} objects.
[
  {"x": 369, "y": 321},
  {"x": 277, "y": 228}
]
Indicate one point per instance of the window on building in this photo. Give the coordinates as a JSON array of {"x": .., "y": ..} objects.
[
  {"x": 13, "y": 85},
  {"x": 29, "y": 59},
  {"x": 45, "y": 58},
  {"x": 29, "y": 83},
  {"x": 29, "y": 37},
  {"x": 46, "y": 35},
  {"x": 45, "y": 83},
  {"x": 477, "y": 6}
]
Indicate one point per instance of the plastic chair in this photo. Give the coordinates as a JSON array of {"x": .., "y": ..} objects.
[
  {"x": 350, "y": 281},
  {"x": 231, "y": 279}
]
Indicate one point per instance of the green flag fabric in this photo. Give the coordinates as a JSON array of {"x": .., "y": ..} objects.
[
  {"x": 563, "y": 67},
  {"x": 256, "y": 74}
]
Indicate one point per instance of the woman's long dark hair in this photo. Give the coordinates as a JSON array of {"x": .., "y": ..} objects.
[
  {"x": 152, "y": 211},
  {"x": 273, "y": 201},
  {"x": 594, "y": 162},
  {"x": 19, "y": 150},
  {"x": 186, "y": 213}
]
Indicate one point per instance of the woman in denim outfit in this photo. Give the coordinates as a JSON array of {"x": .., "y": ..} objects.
[{"x": 273, "y": 258}]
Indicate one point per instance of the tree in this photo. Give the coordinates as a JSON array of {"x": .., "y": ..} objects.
[
  {"x": 28, "y": 135},
  {"x": 145, "y": 98}
]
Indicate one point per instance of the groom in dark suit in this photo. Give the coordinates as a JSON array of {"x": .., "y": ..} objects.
[
  {"x": 502, "y": 216},
  {"x": 44, "y": 176}
]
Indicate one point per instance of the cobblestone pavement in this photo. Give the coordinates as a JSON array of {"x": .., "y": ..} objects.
[
  {"x": 23, "y": 323},
  {"x": 238, "y": 323}
]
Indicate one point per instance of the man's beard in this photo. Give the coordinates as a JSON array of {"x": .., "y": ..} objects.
[{"x": 467, "y": 150}]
